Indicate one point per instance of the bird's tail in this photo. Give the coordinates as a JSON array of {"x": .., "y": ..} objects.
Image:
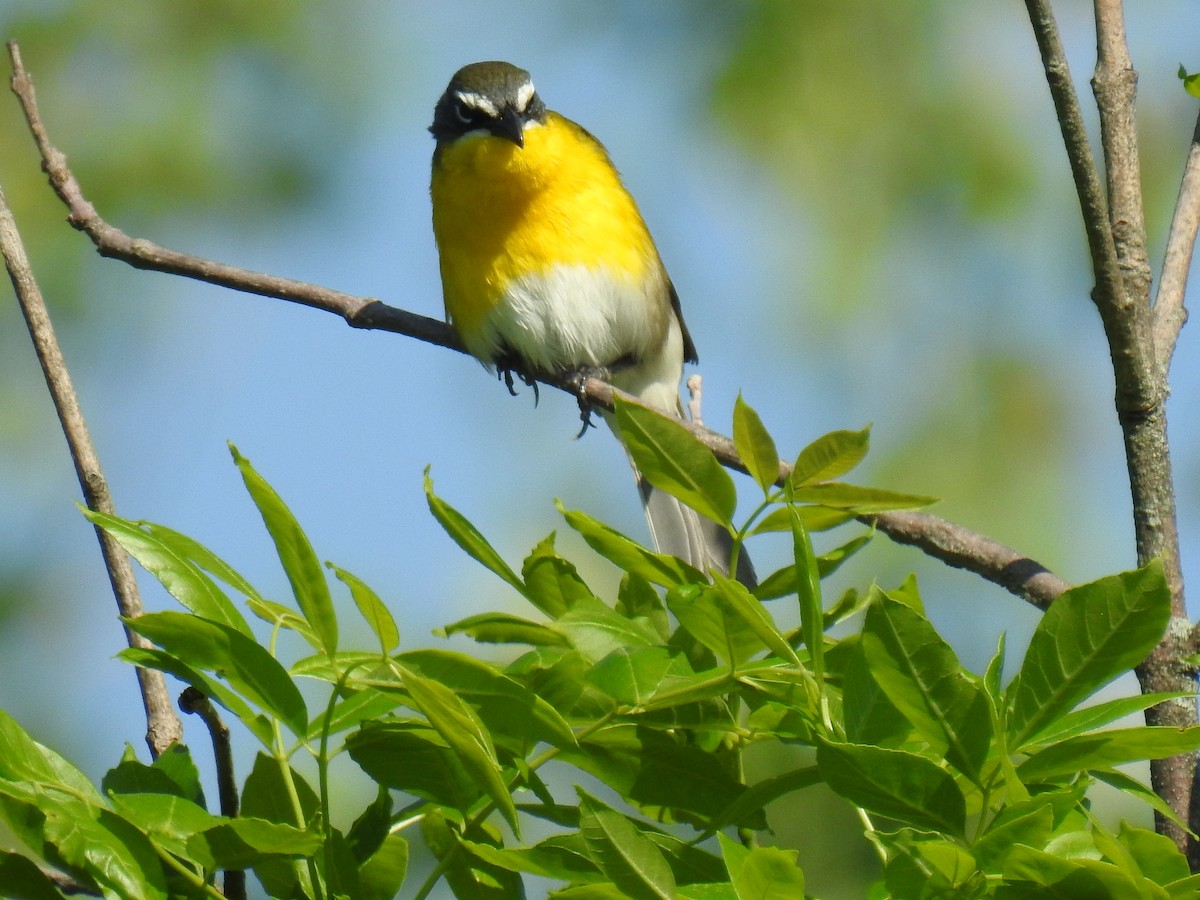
[
  {"x": 679, "y": 530},
  {"x": 675, "y": 527}
]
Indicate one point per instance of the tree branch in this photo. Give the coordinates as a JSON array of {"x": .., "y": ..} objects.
[
  {"x": 1117, "y": 243},
  {"x": 162, "y": 725},
  {"x": 1169, "y": 311},
  {"x": 1114, "y": 85},
  {"x": 194, "y": 702}
]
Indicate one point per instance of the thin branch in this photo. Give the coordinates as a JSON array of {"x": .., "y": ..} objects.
[
  {"x": 1169, "y": 311},
  {"x": 942, "y": 540},
  {"x": 1135, "y": 392},
  {"x": 162, "y": 725},
  {"x": 194, "y": 702},
  {"x": 360, "y": 312},
  {"x": 963, "y": 549},
  {"x": 1114, "y": 85}
]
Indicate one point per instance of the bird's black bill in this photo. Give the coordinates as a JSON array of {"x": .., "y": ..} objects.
[{"x": 510, "y": 126}]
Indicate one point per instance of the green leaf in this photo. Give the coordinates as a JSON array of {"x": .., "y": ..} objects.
[
  {"x": 503, "y": 628},
  {"x": 247, "y": 666},
  {"x": 246, "y": 841},
  {"x": 869, "y": 715},
  {"x": 506, "y": 706},
  {"x": 924, "y": 865},
  {"x": 118, "y": 857},
  {"x": 210, "y": 687},
  {"x": 596, "y": 630},
  {"x": 808, "y": 591},
  {"x": 373, "y": 609},
  {"x": 1191, "y": 83},
  {"x": 382, "y": 875},
  {"x": 631, "y": 675},
  {"x": 993, "y": 676},
  {"x": 173, "y": 772},
  {"x": 754, "y": 445},
  {"x": 894, "y": 783},
  {"x": 673, "y": 460},
  {"x": 762, "y": 873},
  {"x": 735, "y": 597},
  {"x": 1156, "y": 855},
  {"x": 705, "y": 616},
  {"x": 367, "y": 832},
  {"x": 1105, "y": 749},
  {"x": 21, "y": 879},
  {"x": 413, "y": 758},
  {"x": 860, "y": 500},
  {"x": 1089, "y": 636},
  {"x": 1135, "y": 788},
  {"x": 623, "y": 853},
  {"x": 922, "y": 678},
  {"x": 461, "y": 728},
  {"x": 830, "y": 456},
  {"x": 656, "y": 769},
  {"x": 628, "y": 555},
  {"x": 1090, "y": 718},
  {"x": 815, "y": 518},
  {"x": 356, "y": 707},
  {"x": 203, "y": 557},
  {"x": 166, "y": 819},
  {"x": 757, "y": 796},
  {"x": 467, "y": 536},
  {"x": 300, "y": 563},
  {"x": 1030, "y": 822},
  {"x": 552, "y": 858},
  {"x": 22, "y": 759},
  {"x": 1074, "y": 877},
  {"x": 552, "y": 583},
  {"x": 469, "y": 876},
  {"x": 279, "y": 616},
  {"x": 159, "y": 555}
]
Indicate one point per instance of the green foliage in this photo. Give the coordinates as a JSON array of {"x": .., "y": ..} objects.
[
  {"x": 966, "y": 787},
  {"x": 1191, "y": 82}
]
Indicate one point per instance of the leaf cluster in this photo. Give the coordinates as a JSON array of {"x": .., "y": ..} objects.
[{"x": 968, "y": 785}]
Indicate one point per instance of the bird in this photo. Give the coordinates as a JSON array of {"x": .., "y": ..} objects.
[{"x": 548, "y": 267}]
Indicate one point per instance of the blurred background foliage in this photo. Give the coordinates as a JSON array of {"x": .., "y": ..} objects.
[{"x": 865, "y": 206}]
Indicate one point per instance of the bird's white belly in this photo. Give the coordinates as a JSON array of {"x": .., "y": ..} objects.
[{"x": 572, "y": 316}]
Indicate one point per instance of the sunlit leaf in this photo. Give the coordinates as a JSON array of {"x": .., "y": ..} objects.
[
  {"x": 373, "y": 609},
  {"x": 894, "y": 783},
  {"x": 673, "y": 460},
  {"x": 754, "y": 445},
  {"x": 1091, "y": 634},
  {"x": 623, "y": 853},
  {"x": 300, "y": 563},
  {"x": 830, "y": 456}
]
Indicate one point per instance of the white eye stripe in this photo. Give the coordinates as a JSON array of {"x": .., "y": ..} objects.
[
  {"x": 524, "y": 94},
  {"x": 478, "y": 101}
]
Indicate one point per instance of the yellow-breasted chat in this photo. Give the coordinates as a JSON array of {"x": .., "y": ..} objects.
[{"x": 548, "y": 267}]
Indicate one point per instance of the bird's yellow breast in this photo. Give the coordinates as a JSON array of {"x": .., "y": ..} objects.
[{"x": 504, "y": 215}]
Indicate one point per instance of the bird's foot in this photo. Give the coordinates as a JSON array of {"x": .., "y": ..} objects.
[
  {"x": 580, "y": 375},
  {"x": 509, "y": 370}
]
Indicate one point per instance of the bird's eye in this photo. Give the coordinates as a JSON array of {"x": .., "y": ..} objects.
[{"x": 462, "y": 112}]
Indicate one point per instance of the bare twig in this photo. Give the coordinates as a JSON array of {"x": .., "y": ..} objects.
[
  {"x": 163, "y": 728},
  {"x": 360, "y": 312},
  {"x": 192, "y": 701},
  {"x": 1169, "y": 311},
  {"x": 1114, "y": 84}
]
